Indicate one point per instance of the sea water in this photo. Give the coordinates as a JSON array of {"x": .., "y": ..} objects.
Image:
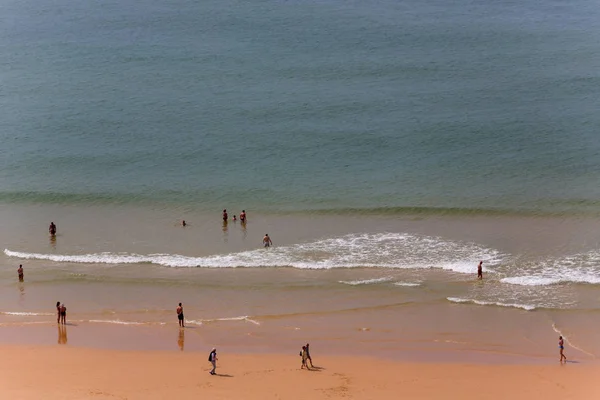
[{"x": 387, "y": 145}]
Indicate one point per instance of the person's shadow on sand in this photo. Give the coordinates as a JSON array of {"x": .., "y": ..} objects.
[{"x": 224, "y": 375}]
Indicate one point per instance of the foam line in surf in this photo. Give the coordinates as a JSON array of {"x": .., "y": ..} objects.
[
  {"x": 569, "y": 342},
  {"x": 407, "y": 284},
  {"x": 366, "y": 281},
  {"x": 526, "y": 307},
  {"x": 23, "y": 314},
  {"x": 383, "y": 250}
]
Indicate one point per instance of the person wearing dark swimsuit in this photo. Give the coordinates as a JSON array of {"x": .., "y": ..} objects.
[
  {"x": 58, "y": 312},
  {"x": 52, "y": 229},
  {"x": 561, "y": 346},
  {"x": 63, "y": 314},
  {"x": 180, "y": 316}
]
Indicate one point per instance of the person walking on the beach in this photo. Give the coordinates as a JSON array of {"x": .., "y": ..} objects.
[
  {"x": 225, "y": 216},
  {"x": 20, "y": 272},
  {"x": 212, "y": 357},
  {"x": 304, "y": 356},
  {"x": 561, "y": 346},
  {"x": 58, "y": 312},
  {"x": 267, "y": 241},
  {"x": 243, "y": 217},
  {"x": 308, "y": 355},
  {"x": 480, "y": 270},
  {"x": 180, "y": 316},
  {"x": 52, "y": 229},
  {"x": 63, "y": 314}
]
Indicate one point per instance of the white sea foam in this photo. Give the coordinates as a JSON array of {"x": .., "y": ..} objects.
[
  {"x": 23, "y": 313},
  {"x": 583, "y": 268},
  {"x": 407, "y": 284},
  {"x": 116, "y": 321},
  {"x": 526, "y": 307},
  {"x": 242, "y": 318},
  {"x": 385, "y": 250},
  {"x": 530, "y": 280},
  {"x": 366, "y": 281}
]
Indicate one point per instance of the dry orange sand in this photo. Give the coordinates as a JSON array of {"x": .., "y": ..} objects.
[{"x": 79, "y": 373}]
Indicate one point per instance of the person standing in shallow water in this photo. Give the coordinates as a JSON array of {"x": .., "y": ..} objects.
[
  {"x": 480, "y": 270},
  {"x": 561, "y": 347},
  {"x": 63, "y": 314},
  {"x": 52, "y": 229},
  {"x": 267, "y": 241},
  {"x": 180, "y": 316},
  {"x": 225, "y": 216},
  {"x": 243, "y": 217},
  {"x": 58, "y": 312},
  {"x": 20, "y": 272}
]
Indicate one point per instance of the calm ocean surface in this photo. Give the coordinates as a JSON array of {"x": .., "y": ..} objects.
[{"x": 297, "y": 106}]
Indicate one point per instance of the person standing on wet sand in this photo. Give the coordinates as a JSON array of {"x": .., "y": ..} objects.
[
  {"x": 58, "y": 312},
  {"x": 180, "y": 316},
  {"x": 52, "y": 229},
  {"x": 63, "y": 314},
  {"x": 212, "y": 357},
  {"x": 267, "y": 241},
  {"x": 561, "y": 346},
  {"x": 20, "y": 272},
  {"x": 480, "y": 270}
]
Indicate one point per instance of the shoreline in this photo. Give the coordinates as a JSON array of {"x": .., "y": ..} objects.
[
  {"x": 32, "y": 372},
  {"x": 416, "y": 342}
]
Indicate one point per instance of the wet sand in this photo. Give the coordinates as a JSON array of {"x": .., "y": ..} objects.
[{"x": 34, "y": 372}]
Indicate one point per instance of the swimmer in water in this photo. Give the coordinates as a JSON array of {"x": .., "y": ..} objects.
[
  {"x": 561, "y": 346},
  {"x": 234, "y": 218},
  {"x": 183, "y": 223},
  {"x": 267, "y": 241}
]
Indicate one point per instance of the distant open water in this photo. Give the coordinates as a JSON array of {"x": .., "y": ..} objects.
[{"x": 379, "y": 106}]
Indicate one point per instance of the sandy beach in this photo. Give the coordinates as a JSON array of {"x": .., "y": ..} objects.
[{"x": 35, "y": 372}]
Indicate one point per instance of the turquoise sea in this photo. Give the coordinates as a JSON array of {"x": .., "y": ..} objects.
[{"x": 344, "y": 106}]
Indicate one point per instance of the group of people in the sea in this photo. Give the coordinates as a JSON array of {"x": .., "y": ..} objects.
[{"x": 267, "y": 242}]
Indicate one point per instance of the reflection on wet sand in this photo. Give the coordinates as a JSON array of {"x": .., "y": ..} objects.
[
  {"x": 225, "y": 231},
  {"x": 243, "y": 225},
  {"x": 62, "y": 334},
  {"x": 181, "y": 338}
]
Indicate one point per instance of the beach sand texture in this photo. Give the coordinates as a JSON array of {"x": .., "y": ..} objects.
[{"x": 40, "y": 372}]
